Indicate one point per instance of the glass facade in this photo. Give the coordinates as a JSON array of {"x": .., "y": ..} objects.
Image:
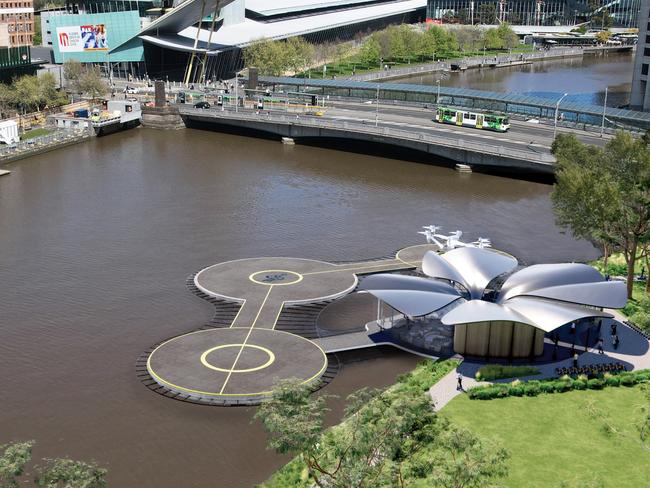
[{"x": 601, "y": 13}]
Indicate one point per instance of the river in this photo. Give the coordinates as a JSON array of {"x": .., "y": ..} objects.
[
  {"x": 583, "y": 78},
  {"x": 97, "y": 239}
]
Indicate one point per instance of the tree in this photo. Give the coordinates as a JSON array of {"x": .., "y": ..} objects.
[
  {"x": 58, "y": 473},
  {"x": 13, "y": 459},
  {"x": 49, "y": 94},
  {"x": 300, "y": 54},
  {"x": 493, "y": 39},
  {"x": 27, "y": 92},
  {"x": 72, "y": 70},
  {"x": 603, "y": 36},
  {"x": 385, "y": 440},
  {"x": 370, "y": 51},
  {"x": 91, "y": 83},
  {"x": 509, "y": 38},
  {"x": 604, "y": 194},
  {"x": 64, "y": 473}
]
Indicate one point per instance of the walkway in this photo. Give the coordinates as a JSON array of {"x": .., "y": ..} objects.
[{"x": 633, "y": 352}]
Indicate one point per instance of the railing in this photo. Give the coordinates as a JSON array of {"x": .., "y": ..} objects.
[
  {"x": 36, "y": 144},
  {"x": 383, "y": 131}
]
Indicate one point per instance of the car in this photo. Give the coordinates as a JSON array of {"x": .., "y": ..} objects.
[
  {"x": 202, "y": 105},
  {"x": 130, "y": 90},
  {"x": 132, "y": 99}
]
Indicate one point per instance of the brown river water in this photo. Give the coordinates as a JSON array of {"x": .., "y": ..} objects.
[{"x": 96, "y": 241}]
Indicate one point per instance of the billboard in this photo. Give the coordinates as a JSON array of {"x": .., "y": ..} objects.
[{"x": 82, "y": 38}]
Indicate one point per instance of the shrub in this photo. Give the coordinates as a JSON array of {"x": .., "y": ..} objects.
[
  {"x": 612, "y": 380},
  {"x": 579, "y": 385},
  {"x": 517, "y": 390},
  {"x": 596, "y": 384},
  {"x": 491, "y": 372},
  {"x": 628, "y": 380},
  {"x": 547, "y": 387}
]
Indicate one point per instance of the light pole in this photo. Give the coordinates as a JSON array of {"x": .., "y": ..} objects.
[
  {"x": 237, "y": 90},
  {"x": 377, "y": 110},
  {"x": 557, "y": 107},
  {"x": 438, "y": 93},
  {"x": 602, "y": 125}
]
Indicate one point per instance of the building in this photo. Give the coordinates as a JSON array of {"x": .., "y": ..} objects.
[
  {"x": 16, "y": 23},
  {"x": 202, "y": 39},
  {"x": 496, "y": 310},
  {"x": 640, "y": 97},
  {"x": 617, "y": 13}
]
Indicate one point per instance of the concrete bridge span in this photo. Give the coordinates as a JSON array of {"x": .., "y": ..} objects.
[{"x": 490, "y": 155}]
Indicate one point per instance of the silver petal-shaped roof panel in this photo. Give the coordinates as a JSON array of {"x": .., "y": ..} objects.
[
  {"x": 479, "y": 266},
  {"x": 481, "y": 311},
  {"x": 435, "y": 266},
  {"x": 387, "y": 281},
  {"x": 414, "y": 303},
  {"x": 548, "y": 315},
  {"x": 541, "y": 276},
  {"x": 605, "y": 294}
]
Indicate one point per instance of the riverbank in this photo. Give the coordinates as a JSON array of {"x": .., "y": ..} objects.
[{"x": 41, "y": 144}]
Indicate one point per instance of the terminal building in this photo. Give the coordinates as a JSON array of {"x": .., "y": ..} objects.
[
  {"x": 640, "y": 98},
  {"x": 617, "y": 13}
]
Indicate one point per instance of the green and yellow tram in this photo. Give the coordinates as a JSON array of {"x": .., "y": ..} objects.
[{"x": 480, "y": 120}]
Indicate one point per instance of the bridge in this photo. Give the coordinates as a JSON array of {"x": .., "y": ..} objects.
[{"x": 525, "y": 149}]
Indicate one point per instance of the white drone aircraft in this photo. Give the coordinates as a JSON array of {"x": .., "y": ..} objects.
[{"x": 451, "y": 241}]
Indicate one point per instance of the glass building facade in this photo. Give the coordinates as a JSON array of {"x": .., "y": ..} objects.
[{"x": 601, "y": 13}]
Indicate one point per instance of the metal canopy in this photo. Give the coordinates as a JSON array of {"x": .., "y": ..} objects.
[
  {"x": 548, "y": 315},
  {"x": 472, "y": 267},
  {"x": 541, "y": 276},
  {"x": 483, "y": 95},
  {"x": 385, "y": 281},
  {"x": 414, "y": 303},
  {"x": 480, "y": 311},
  {"x": 605, "y": 294}
]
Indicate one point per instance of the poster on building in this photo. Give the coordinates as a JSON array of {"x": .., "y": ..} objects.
[{"x": 82, "y": 38}]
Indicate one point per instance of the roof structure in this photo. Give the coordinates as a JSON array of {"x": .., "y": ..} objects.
[
  {"x": 631, "y": 117},
  {"x": 544, "y": 296}
]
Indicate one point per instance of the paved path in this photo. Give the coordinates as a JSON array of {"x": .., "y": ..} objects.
[
  {"x": 226, "y": 365},
  {"x": 633, "y": 352}
]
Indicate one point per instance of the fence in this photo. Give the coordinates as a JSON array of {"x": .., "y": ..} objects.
[
  {"x": 387, "y": 132},
  {"x": 37, "y": 144}
]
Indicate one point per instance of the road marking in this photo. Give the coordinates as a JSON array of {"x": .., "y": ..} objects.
[
  {"x": 205, "y": 362},
  {"x": 250, "y": 331}
]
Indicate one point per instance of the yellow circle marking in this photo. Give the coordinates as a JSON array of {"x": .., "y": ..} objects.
[
  {"x": 168, "y": 384},
  {"x": 205, "y": 362},
  {"x": 298, "y": 277}
]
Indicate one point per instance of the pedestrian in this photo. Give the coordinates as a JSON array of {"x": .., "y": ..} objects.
[
  {"x": 616, "y": 341},
  {"x": 555, "y": 352},
  {"x": 600, "y": 346},
  {"x": 613, "y": 328},
  {"x": 556, "y": 338},
  {"x": 572, "y": 331},
  {"x": 460, "y": 382},
  {"x": 575, "y": 359}
]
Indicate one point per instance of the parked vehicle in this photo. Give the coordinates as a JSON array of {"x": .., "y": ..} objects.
[
  {"x": 202, "y": 105},
  {"x": 130, "y": 90}
]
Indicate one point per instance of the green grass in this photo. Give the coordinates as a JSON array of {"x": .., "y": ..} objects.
[
  {"x": 491, "y": 372},
  {"x": 31, "y": 134},
  {"x": 552, "y": 439}
]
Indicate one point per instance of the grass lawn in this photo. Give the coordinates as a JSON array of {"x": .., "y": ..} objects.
[
  {"x": 31, "y": 134},
  {"x": 552, "y": 439}
]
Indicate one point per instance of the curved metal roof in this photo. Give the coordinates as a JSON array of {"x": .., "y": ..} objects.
[
  {"x": 414, "y": 303},
  {"x": 479, "y": 266},
  {"x": 481, "y": 311},
  {"x": 605, "y": 294},
  {"x": 548, "y": 315},
  {"x": 537, "y": 312},
  {"x": 472, "y": 267},
  {"x": 435, "y": 266},
  {"x": 386, "y": 281},
  {"x": 541, "y": 276}
]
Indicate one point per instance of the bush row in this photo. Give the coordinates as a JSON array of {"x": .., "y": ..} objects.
[
  {"x": 491, "y": 372},
  {"x": 537, "y": 387}
]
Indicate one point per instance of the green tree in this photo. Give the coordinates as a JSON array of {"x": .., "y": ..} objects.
[
  {"x": 603, "y": 36},
  {"x": 66, "y": 473},
  {"x": 91, "y": 83},
  {"x": 57, "y": 473},
  {"x": 28, "y": 93},
  {"x": 385, "y": 440},
  {"x": 370, "y": 51},
  {"x": 493, "y": 40},
  {"x": 49, "y": 94},
  {"x": 72, "y": 70},
  {"x": 300, "y": 54},
  {"x": 13, "y": 458},
  {"x": 603, "y": 194},
  {"x": 509, "y": 38}
]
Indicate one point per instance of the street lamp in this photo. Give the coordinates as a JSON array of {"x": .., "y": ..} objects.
[
  {"x": 602, "y": 125},
  {"x": 377, "y": 111},
  {"x": 438, "y": 93},
  {"x": 557, "y": 107},
  {"x": 237, "y": 90}
]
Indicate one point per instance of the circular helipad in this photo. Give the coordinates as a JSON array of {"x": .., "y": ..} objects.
[
  {"x": 234, "y": 362},
  {"x": 276, "y": 277}
]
